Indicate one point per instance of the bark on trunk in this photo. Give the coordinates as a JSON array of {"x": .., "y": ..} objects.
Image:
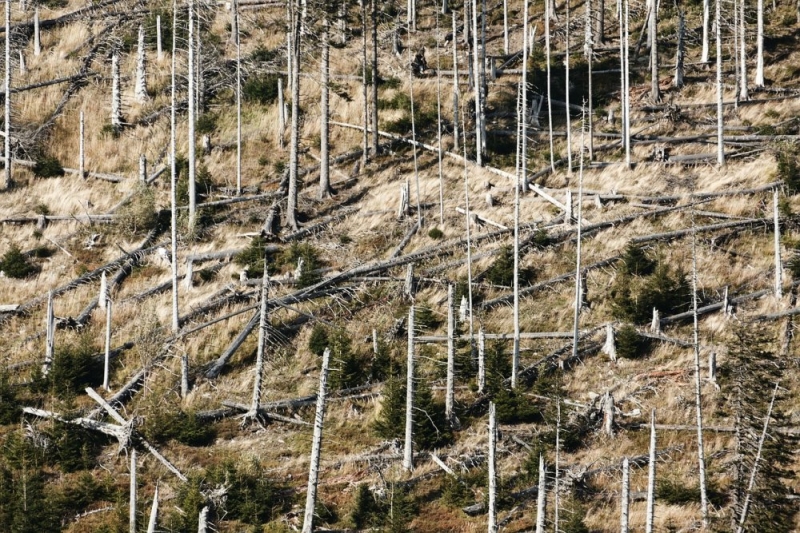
[
  {"x": 116, "y": 99},
  {"x": 477, "y": 86},
  {"x": 191, "y": 101},
  {"x": 492, "y": 469},
  {"x": 263, "y": 337},
  {"x": 81, "y": 148},
  {"x": 624, "y": 503},
  {"x": 140, "y": 89},
  {"x": 541, "y": 500},
  {"x": 173, "y": 172},
  {"x": 743, "y": 94},
  {"x": 481, "y": 360},
  {"x": 316, "y": 445},
  {"x": 651, "y": 476},
  {"x": 107, "y": 351},
  {"x": 291, "y": 208},
  {"x": 677, "y": 82},
  {"x": 159, "y": 49},
  {"x": 7, "y": 89},
  {"x": 408, "y": 454},
  {"x": 777, "y": 241},
  {"x": 50, "y": 330},
  {"x": 701, "y": 460},
  {"x": 324, "y": 156},
  {"x": 655, "y": 92},
  {"x": 237, "y": 42},
  {"x": 720, "y": 117},
  {"x": 759, "y": 81},
  {"x": 706, "y": 30},
  {"x": 132, "y": 501},
  {"x": 375, "y": 136}
]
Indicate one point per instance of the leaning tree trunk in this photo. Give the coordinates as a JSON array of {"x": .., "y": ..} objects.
[
  {"x": 578, "y": 277},
  {"x": 151, "y": 524},
  {"x": 140, "y": 88},
  {"x": 492, "y": 469},
  {"x": 759, "y": 82},
  {"x": 7, "y": 89},
  {"x": 263, "y": 336},
  {"x": 701, "y": 459},
  {"x": 291, "y": 207},
  {"x": 316, "y": 444},
  {"x": 324, "y": 156},
  {"x": 408, "y": 454},
  {"x": 651, "y": 476},
  {"x": 107, "y": 351},
  {"x": 191, "y": 102},
  {"x": 173, "y": 192}
]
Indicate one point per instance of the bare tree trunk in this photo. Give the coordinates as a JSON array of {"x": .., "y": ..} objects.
[
  {"x": 103, "y": 293},
  {"x": 578, "y": 277},
  {"x": 281, "y": 112},
  {"x": 492, "y": 469},
  {"x": 140, "y": 88},
  {"x": 566, "y": 90},
  {"x": 132, "y": 501},
  {"x": 173, "y": 172},
  {"x": 151, "y": 525},
  {"x": 625, "y": 496},
  {"x": 601, "y": 23},
  {"x": 608, "y": 414},
  {"x": 439, "y": 149},
  {"x": 375, "y": 135},
  {"x": 159, "y": 53},
  {"x": 505, "y": 28},
  {"x": 541, "y": 500},
  {"x": 754, "y": 471},
  {"x": 481, "y": 360},
  {"x": 365, "y": 150},
  {"x": 701, "y": 460},
  {"x": 263, "y": 336},
  {"x": 706, "y": 31},
  {"x": 82, "y": 149},
  {"x": 237, "y": 42},
  {"x": 143, "y": 169},
  {"x": 184, "y": 375},
  {"x": 116, "y": 101},
  {"x": 7, "y": 89},
  {"x": 37, "y": 41},
  {"x": 324, "y": 154},
  {"x": 589, "y": 51},
  {"x": 191, "y": 101},
  {"x": 408, "y": 453},
  {"x": 655, "y": 92},
  {"x": 50, "y": 331},
  {"x": 777, "y": 235},
  {"x": 556, "y": 478},
  {"x": 759, "y": 82},
  {"x": 202, "y": 520},
  {"x": 414, "y": 140},
  {"x": 651, "y": 476},
  {"x": 316, "y": 445},
  {"x": 451, "y": 356},
  {"x": 712, "y": 367},
  {"x": 477, "y": 85},
  {"x": 610, "y": 347},
  {"x": 743, "y": 94},
  {"x": 107, "y": 351},
  {"x": 455, "y": 83},
  {"x": 291, "y": 208},
  {"x": 679, "y": 50},
  {"x": 720, "y": 118},
  {"x": 627, "y": 88}
]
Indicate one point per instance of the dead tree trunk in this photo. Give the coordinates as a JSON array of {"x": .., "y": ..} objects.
[
  {"x": 281, "y": 111},
  {"x": 679, "y": 50},
  {"x": 655, "y": 92},
  {"x": 492, "y": 469},
  {"x": 191, "y": 101},
  {"x": 316, "y": 445},
  {"x": 651, "y": 476},
  {"x": 375, "y": 135},
  {"x": 184, "y": 375},
  {"x": 455, "y": 84},
  {"x": 777, "y": 237},
  {"x": 159, "y": 53},
  {"x": 173, "y": 173},
  {"x": 103, "y": 294},
  {"x": 477, "y": 86},
  {"x": 116, "y": 99},
  {"x": 706, "y": 30},
  {"x": 541, "y": 500},
  {"x": 624, "y": 502},
  {"x": 439, "y": 148},
  {"x": 365, "y": 149},
  {"x": 324, "y": 156},
  {"x": 720, "y": 143},
  {"x": 601, "y": 23},
  {"x": 578, "y": 277},
  {"x": 408, "y": 454},
  {"x": 481, "y": 360},
  {"x": 132, "y": 500},
  {"x": 751, "y": 483},
  {"x": 140, "y": 88},
  {"x": 759, "y": 82},
  {"x": 610, "y": 346},
  {"x": 7, "y": 98},
  {"x": 107, "y": 352},
  {"x": 37, "y": 41},
  {"x": 81, "y": 148},
  {"x": 743, "y": 94},
  {"x": 566, "y": 90},
  {"x": 626, "y": 113},
  {"x": 548, "y": 8},
  {"x": 50, "y": 331},
  {"x": 451, "y": 356},
  {"x": 291, "y": 207},
  {"x": 556, "y": 479},
  {"x": 263, "y": 336},
  {"x": 151, "y": 524},
  {"x": 237, "y": 42}
]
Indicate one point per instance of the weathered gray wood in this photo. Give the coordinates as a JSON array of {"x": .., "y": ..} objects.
[
  {"x": 408, "y": 457},
  {"x": 316, "y": 446},
  {"x": 492, "y": 469}
]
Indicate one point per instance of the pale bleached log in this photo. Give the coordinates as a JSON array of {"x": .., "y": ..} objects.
[
  {"x": 625, "y": 497},
  {"x": 132, "y": 494},
  {"x": 107, "y": 351},
  {"x": 408, "y": 453},
  {"x": 441, "y": 464},
  {"x": 541, "y": 499},
  {"x": 316, "y": 445},
  {"x": 140, "y": 86},
  {"x": 151, "y": 524},
  {"x": 116, "y": 98},
  {"x": 492, "y": 469},
  {"x": 651, "y": 476}
]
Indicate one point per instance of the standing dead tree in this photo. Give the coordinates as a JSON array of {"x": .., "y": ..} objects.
[
  {"x": 324, "y": 128},
  {"x": 173, "y": 171},
  {"x": 316, "y": 445},
  {"x": 192, "y": 104},
  {"x": 7, "y": 97},
  {"x": 651, "y": 476},
  {"x": 777, "y": 241},
  {"x": 759, "y": 81},
  {"x": 294, "y": 138},
  {"x": 408, "y": 453},
  {"x": 140, "y": 88},
  {"x": 624, "y": 501},
  {"x": 451, "y": 357},
  {"x": 492, "y": 468},
  {"x": 263, "y": 336},
  {"x": 720, "y": 117}
]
